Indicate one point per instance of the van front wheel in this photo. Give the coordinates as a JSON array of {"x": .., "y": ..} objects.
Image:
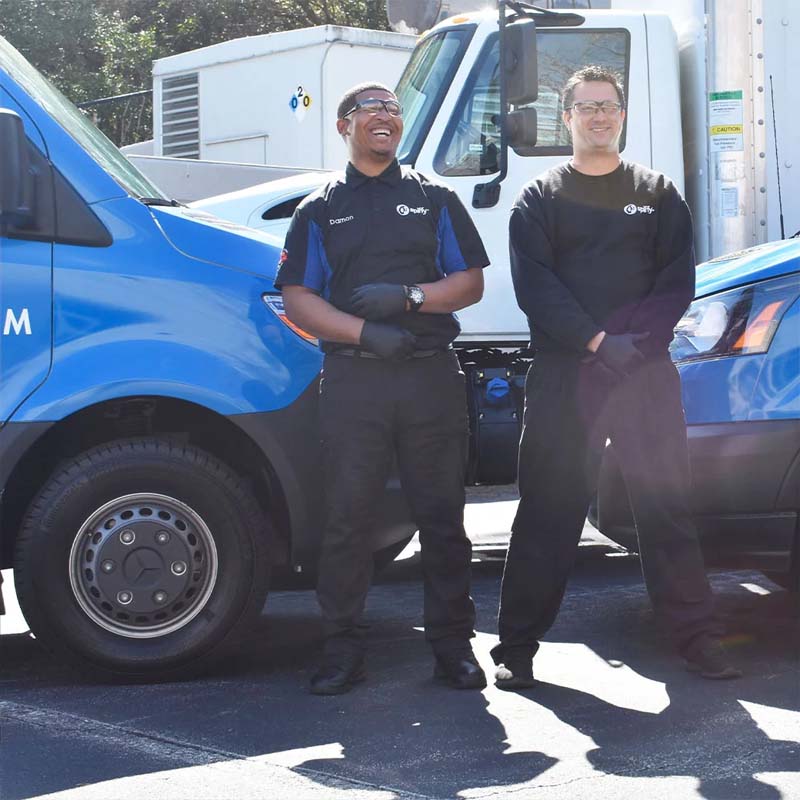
[{"x": 141, "y": 558}]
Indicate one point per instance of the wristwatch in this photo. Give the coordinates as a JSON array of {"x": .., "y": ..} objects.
[{"x": 415, "y": 297}]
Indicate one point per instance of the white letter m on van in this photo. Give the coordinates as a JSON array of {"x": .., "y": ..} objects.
[{"x": 23, "y": 323}]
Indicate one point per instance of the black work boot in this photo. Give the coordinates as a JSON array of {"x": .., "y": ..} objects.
[
  {"x": 338, "y": 674},
  {"x": 710, "y": 660},
  {"x": 459, "y": 668},
  {"x": 515, "y": 672}
]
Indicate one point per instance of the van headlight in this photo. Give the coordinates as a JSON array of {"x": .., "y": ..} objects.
[
  {"x": 274, "y": 303},
  {"x": 736, "y": 322}
]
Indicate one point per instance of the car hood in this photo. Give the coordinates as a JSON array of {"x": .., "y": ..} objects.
[
  {"x": 748, "y": 266},
  {"x": 203, "y": 236}
]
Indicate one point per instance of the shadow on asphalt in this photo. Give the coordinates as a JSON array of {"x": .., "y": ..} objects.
[
  {"x": 401, "y": 730},
  {"x": 705, "y": 730}
]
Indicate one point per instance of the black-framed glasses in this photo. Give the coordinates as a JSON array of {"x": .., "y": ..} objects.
[
  {"x": 588, "y": 108},
  {"x": 374, "y": 105}
]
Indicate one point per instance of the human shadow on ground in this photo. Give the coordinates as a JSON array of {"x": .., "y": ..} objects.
[
  {"x": 704, "y": 730},
  {"x": 401, "y": 731}
]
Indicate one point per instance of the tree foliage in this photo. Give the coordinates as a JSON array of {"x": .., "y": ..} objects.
[{"x": 101, "y": 48}]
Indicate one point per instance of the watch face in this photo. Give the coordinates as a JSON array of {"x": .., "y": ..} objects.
[{"x": 416, "y": 295}]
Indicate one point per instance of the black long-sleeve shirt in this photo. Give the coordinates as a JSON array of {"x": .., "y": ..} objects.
[{"x": 608, "y": 252}]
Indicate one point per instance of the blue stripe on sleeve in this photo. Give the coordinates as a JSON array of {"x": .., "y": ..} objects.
[
  {"x": 318, "y": 269},
  {"x": 449, "y": 257}
]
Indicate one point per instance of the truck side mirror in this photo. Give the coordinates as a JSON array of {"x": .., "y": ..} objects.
[
  {"x": 16, "y": 180},
  {"x": 522, "y": 128},
  {"x": 522, "y": 70}
]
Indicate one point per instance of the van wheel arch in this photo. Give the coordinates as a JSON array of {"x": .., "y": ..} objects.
[{"x": 164, "y": 417}]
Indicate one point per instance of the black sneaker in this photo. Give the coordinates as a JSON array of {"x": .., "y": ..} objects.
[
  {"x": 337, "y": 676},
  {"x": 515, "y": 674},
  {"x": 460, "y": 669},
  {"x": 710, "y": 660}
]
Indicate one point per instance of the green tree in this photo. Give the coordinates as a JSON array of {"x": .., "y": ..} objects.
[
  {"x": 94, "y": 49},
  {"x": 89, "y": 52}
]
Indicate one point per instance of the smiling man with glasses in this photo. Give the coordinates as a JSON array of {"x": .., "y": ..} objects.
[
  {"x": 375, "y": 264},
  {"x": 603, "y": 266}
]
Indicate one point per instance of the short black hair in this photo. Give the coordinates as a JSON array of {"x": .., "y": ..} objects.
[
  {"x": 349, "y": 97},
  {"x": 591, "y": 73}
]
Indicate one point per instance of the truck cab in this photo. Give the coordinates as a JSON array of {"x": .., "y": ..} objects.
[{"x": 451, "y": 95}]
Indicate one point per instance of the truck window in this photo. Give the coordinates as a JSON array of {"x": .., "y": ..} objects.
[
  {"x": 424, "y": 83},
  {"x": 471, "y": 143}
]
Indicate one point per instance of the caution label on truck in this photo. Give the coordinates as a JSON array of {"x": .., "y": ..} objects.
[
  {"x": 726, "y": 121},
  {"x": 716, "y": 130}
]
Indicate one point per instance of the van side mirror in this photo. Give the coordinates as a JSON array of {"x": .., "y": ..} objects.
[
  {"x": 16, "y": 180},
  {"x": 522, "y": 66}
]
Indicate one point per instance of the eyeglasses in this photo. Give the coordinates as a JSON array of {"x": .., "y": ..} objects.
[
  {"x": 373, "y": 106},
  {"x": 588, "y": 108}
]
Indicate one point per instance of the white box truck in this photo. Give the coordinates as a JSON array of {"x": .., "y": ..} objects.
[
  {"x": 701, "y": 84},
  {"x": 707, "y": 85},
  {"x": 268, "y": 99},
  {"x": 262, "y": 100}
]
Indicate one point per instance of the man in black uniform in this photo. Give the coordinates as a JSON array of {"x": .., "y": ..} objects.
[
  {"x": 375, "y": 264},
  {"x": 603, "y": 266}
]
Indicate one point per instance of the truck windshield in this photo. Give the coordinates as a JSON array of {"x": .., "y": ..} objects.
[
  {"x": 77, "y": 124},
  {"x": 424, "y": 82}
]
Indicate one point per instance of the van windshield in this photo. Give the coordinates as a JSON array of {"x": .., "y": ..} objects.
[
  {"x": 76, "y": 124},
  {"x": 424, "y": 83}
]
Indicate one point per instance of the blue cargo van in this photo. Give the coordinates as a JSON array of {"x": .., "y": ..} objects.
[
  {"x": 737, "y": 350},
  {"x": 158, "y": 444}
]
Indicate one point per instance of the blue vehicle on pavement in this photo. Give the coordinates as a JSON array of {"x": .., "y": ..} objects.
[
  {"x": 158, "y": 443},
  {"x": 737, "y": 349}
]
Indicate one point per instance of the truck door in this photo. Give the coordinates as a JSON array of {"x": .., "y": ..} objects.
[
  {"x": 26, "y": 288},
  {"x": 463, "y": 146}
]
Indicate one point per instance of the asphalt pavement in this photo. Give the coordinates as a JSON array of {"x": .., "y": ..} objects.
[{"x": 614, "y": 714}]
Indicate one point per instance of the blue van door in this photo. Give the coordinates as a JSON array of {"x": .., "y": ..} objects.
[{"x": 26, "y": 305}]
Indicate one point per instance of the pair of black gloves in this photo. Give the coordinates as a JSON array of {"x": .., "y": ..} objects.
[
  {"x": 619, "y": 353},
  {"x": 377, "y": 301}
]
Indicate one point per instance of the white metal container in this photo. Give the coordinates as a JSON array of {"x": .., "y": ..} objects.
[{"x": 269, "y": 99}]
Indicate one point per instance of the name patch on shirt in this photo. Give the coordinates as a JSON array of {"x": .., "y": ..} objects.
[
  {"x": 632, "y": 208},
  {"x": 403, "y": 210},
  {"x": 340, "y": 220}
]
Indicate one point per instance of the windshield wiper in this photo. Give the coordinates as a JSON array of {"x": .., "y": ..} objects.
[{"x": 159, "y": 201}]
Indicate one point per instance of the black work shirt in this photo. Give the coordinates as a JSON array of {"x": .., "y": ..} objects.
[
  {"x": 398, "y": 227},
  {"x": 601, "y": 252}
]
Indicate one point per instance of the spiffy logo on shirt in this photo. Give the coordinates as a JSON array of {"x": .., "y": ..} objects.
[
  {"x": 403, "y": 210},
  {"x": 632, "y": 209}
]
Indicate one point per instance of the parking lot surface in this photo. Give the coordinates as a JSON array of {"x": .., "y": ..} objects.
[{"x": 614, "y": 714}]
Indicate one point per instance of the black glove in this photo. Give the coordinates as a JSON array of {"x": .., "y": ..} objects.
[
  {"x": 620, "y": 353},
  {"x": 378, "y": 300},
  {"x": 387, "y": 341}
]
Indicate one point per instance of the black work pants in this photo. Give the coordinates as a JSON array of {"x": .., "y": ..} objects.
[
  {"x": 571, "y": 409},
  {"x": 371, "y": 410}
]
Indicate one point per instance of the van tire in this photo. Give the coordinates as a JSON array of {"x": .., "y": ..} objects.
[{"x": 140, "y": 559}]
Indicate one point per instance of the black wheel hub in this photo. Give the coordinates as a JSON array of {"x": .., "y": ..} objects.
[{"x": 143, "y": 565}]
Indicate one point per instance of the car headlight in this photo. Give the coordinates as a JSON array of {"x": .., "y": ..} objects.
[
  {"x": 739, "y": 321},
  {"x": 274, "y": 303}
]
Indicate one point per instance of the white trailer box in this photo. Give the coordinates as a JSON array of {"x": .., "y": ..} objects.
[
  {"x": 738, "y": 61},
  {"x": 269, "y": 99}
]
